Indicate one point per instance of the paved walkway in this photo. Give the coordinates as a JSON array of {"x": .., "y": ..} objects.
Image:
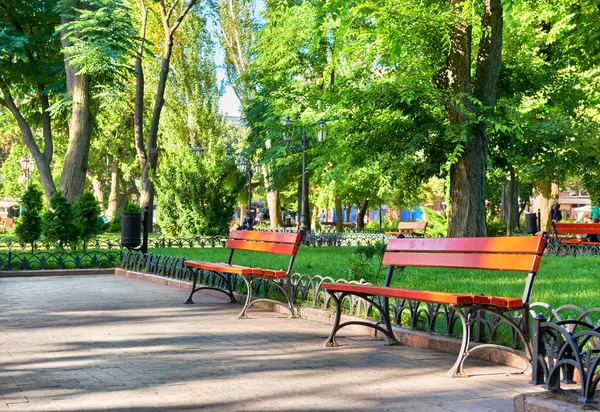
[{"x": 98, "y": 343}]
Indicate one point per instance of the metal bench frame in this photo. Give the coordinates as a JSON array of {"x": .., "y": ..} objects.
[
  {"x": 466, "y": 253},
  {"x": 269, "y": 242}
]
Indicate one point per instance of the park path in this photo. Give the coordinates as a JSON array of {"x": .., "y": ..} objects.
[{"x": 98, "y": 343}]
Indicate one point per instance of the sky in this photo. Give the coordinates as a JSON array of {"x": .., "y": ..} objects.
[{"x": 228, "y": 103}]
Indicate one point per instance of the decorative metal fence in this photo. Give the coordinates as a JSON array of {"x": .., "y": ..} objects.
[
  {"x": 315, "y": 239},
  {"x": 566, "y": 340},
  {"x": 323, "y": 238},
  {"x": 49, "y": 260}
]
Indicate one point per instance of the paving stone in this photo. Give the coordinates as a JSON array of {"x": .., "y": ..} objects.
[{"x": 99, "y": 343}]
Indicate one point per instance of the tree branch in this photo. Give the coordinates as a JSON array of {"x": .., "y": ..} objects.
[{"x": 182, "y": 15}]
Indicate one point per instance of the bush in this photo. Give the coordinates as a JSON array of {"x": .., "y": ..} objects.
[
  {"x": 365, "y": 263},
  {"x": 29, "y": 224},
  {"x": 57, "y": 222},
  {"x": 196, "y": 196},
  {"x": 86, "y": 217},
  {"x": 386, "y": 225},
  {"x": 496, "y": 227},
  {"x": 437, "y": 225}
]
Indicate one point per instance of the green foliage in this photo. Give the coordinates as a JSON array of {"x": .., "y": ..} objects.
[
  {"x": 131, "y": 207},
  {"x": 196, "y": 196},
  {"x": 437, "y": 225},
  {"x": 387, "y": 225},
  {"x": 496, "y": 227},
  {"x": 365, "y": 263},
  {"x": 86, "y": 217},
  {"x": 29, "y": 224},
  {"x": 100, "y": 36},
  {"x": 57, "y": 222}
]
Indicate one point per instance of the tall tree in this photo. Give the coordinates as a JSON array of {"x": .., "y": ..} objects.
[
  {"x": 30, "y": 67},
  {"x": 148, "y": 150}
]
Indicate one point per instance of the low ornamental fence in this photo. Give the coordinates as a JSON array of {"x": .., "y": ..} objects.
[
  {"x": 50, "y": 260},
  {"x": 566, "y": 348},
  {"x": 315, "y": 239},
  {"x": 322, "y": 238}
]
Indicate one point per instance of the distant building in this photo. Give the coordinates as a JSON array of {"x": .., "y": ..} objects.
[{"x": 235, "y": 121}]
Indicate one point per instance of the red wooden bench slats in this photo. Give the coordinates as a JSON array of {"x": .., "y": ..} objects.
[
  {"x": 529, "y": 245},
  {"x": 426, "y": 296},
  {"x": 412, "y": 225},
  {"x": 292, "y": 238},
  {"x": 277, "y": 248},
  {"x": 511, "y": 262},
  {"x": 423, "y": 296},
  {"x": 574, "y": 228},
  {"x": 219, "y": 267}
]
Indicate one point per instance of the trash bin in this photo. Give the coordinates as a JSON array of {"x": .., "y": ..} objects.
[
  {"x": 531, "y": 226},
  {"x": 131, "y": 229}
]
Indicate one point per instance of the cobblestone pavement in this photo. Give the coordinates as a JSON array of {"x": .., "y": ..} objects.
[{"x": 98, "y": 343}]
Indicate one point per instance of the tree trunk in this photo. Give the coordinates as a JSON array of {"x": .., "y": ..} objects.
[
  {"x": 97, "y": 187},
  {"x": 362, "y": 210},
  {"x": 347, "y": 212},
  {"x": 42, "y": 160},
  {"x": 542, "y": 190},
  {"x": 510, "y": 203},
  {"x": 338, "y": 214},
  {"x": 467, "y": 174},
  {"x": 113, "y": 197},
  {"x": 274, "y": 209},
  {"x": 72, "y": 179}
]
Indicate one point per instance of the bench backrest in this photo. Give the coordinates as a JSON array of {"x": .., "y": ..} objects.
[
  {"x": 575, "y": 228},
  {"x": 271, "y": 242},
  {"x": 412, "y": 225},
  {"x": 520, "y": 254}
]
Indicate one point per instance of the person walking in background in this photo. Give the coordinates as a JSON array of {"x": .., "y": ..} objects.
[
  {"x": 595, "y": 214},
  {"x": 322, "y": 216},
  {"x": 259, "y": 218},
  {"x": 556, "y": 213}
]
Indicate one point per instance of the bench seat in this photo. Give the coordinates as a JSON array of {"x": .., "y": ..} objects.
[
  {"x": 426, "y": 296},
  {"x": 235, "y": 269},
  {"x": 269, "y": 242}
]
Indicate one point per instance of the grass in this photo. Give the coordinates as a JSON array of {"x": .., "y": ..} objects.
[{"x": 560, "y": 280}]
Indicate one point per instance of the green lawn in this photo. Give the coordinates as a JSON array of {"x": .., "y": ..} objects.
[{"x": 560, "y": 280}]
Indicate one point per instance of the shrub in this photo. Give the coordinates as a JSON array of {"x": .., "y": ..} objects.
[
  {"x": 365, "y": 263},
  {"x": 57, "y": 222},
  {"x": 437, "y": 225},
  {"x": 29, "y": 224},
  {"x": 496, "y": 227},
  {"x": 86, "y": 217},
  {"x": 386, "y": 225}
]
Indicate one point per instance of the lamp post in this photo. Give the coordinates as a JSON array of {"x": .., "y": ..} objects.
[
  {"x": 27, "y": 169},
  {"x": 244, "y": 166},
  {"x": 305, "y": 140}
]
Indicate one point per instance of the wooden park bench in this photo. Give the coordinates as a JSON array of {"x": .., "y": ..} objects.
[
  {"x": 277, "y": 243},
  {"x": 521, "y": 254},
  {"x": 407, "y": 229},
  {"x": 573, "y": 229}
]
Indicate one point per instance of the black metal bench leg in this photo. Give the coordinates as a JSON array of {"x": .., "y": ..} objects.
[
  {"x": 189, "y": 300},
  {"x": 243, "y": 314},
  {"x": 457, "y": 369},
  {"x": 232, "y": 298},
  {"x": 336, "y": 324}
]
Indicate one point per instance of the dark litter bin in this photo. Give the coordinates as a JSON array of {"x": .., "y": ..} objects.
[
  {"x": 531, "y": 226},
  {"x": 131, "y": 230}
]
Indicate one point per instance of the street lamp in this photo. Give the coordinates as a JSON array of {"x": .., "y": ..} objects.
[
  {"x": 27, "y": 169},
  {"x": 198, "y": 150},
  {"x": 244, "y": 166},
  {"x": 305, "y": 140}
]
